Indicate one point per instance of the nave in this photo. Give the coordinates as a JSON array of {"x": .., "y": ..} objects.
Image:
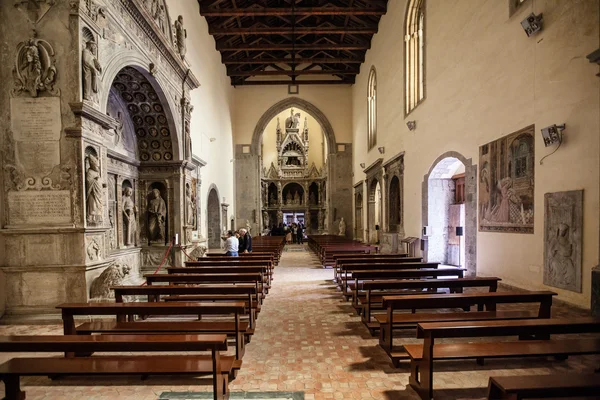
[{"x": 307, "y": 340}]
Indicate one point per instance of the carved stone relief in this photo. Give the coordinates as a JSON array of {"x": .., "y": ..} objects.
[
  {"x": 34, "y": 9},
  {"x": 180, "y": 36},
  {"x": 563, "y": 239},
  {"x": 113, "y": 275},
  {"x": 91, "y": 70},
  {"x": 129, "y": 217},
  {"x": 34, "y": 69},
  {"x": 157, "y": 217}
]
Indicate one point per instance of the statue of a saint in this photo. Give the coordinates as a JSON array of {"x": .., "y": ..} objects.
[
  {"x": 279, "y": 217},
  {"x": 189, "y": 205},
  {"x": 342, "y": 227},
  {"x": 157, "y": 212},
  {"x": 91, "y": 70},
  {"x": 188, "y": 141},
  {"x": 273, "y": 199},
  {"x": 296, "y": 198},
  {"x": 289, "y": 199},
  {"x": 266, "y": 220},
  {"x": 311, "y": 198},
  {"x": 129, "y": 218},
  {"x": 293, "y": 121},
  {"x": 94, "y": 184},
  {"x": 180, "y": 35},
  {"x": 162, "y": 19}
]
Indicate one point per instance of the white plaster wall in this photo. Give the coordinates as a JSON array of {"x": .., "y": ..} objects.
[
  {"x": 213, "y": 106},
  {"x": 251, "y": 102},
  {"x": 485, "y": 79},
  {"x": 315, "y": 139}
]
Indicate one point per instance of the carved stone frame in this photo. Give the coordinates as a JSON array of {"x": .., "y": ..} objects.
[{"x": 374, "y": 173}]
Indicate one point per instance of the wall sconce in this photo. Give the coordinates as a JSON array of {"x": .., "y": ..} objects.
[
  {"x": 532, "y": 24},
  {"x": 412, "y": 125},
  {"x": 212, "y": 139},
  {"x": 552, "y": 134},
  {"x": 362, "y": 165},
  {"x": 381, "y": 150}
]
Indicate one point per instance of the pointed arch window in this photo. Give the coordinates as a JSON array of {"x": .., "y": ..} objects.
[
  {"x": 414, "y": 55},
  {"x": 372, "y": 108}
]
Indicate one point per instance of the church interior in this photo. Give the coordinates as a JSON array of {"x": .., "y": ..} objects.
[{"x": 299, "y": 199}]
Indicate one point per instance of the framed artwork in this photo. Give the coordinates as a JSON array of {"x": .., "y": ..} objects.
[{"x": 506, "y": 183}]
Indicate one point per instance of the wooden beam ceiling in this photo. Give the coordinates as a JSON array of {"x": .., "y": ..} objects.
[{"x": 270, "y": 38}]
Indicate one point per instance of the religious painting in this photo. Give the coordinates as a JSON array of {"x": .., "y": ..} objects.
[
  {"x": 506, "y": 177},
  {"x": 563, "y": 212}
]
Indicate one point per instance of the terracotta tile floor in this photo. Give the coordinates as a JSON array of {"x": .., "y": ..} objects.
[{"x": 307, "y": 339}]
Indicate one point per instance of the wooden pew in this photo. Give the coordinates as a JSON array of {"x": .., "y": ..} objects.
[
  {"x": 423, "y": 355},
  {"x": 375, "y": 290},
  {"x": 247, "y": 277},
  {"x": 346, "y": 270},
  {"x": 121, "y": 310},
  {"x": 263, "y": 270},
  {"x": 246, "y": 293},
  {"x": 543, "y": 386},
  {"x": 398, "y": 273},
  {"x": 390, "y": 321},
  {"x": 220, "y": 367},
  {"x": 344, "y": 263}
]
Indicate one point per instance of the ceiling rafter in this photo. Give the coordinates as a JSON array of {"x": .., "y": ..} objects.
[{"x": 271, "y": 42}]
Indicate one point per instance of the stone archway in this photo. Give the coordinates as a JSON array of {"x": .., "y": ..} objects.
[
  {"x": 374, "y": 209},
  {"x": 249, "y": 166},
  {"x": 439, "y": 170},
  {"x": 213, "y": 218}
]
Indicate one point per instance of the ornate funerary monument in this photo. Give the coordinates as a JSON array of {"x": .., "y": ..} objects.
[{"x": 98, "y": 175}]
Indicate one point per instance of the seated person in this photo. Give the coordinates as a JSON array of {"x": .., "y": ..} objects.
[{"x": 231, "y": 244}]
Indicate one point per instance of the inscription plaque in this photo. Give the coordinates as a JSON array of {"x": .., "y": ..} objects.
[
  {"x": 39, "y": 207},
  {"x": 38, "y": 158},
  {"x": 35, "y": 119}
]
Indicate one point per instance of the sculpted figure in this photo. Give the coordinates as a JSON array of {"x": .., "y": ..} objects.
[
  {"x": 129, "y": 218},
  {"x": 91, "y": 70},
  {"x": 180, "y": 35},
  {"x": 189, "y": 205},
  {"x": 111, "y": 276},
  {"x": 342, "y": 227},
  {"x": 94, "y": 187},
  {"x": 157, "y": 212},
  {"x": 32, "y": 70},
  {"x": 562, "y": 269},
  {"x": 266, "y": 220},
  {"x": 293, "y": 121}
]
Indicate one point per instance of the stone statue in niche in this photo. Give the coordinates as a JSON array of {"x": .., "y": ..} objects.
[
  {"x": 129, "y": 218},
  {"x": 157, "y": 213},
  {"x": 119, "y": 128},
  {"x": 189, "y": 205},
  {"x": 288, "y": 198},
  {"x": 311, "y": 198},
  {"x": 93, "y": 250},
  {"x": 113, "y": 275},
  {"x": 94, "y": 190},
  {"x": 342, "y": 227},
  {"x": 180, "y": 36},
  {"x": 34, "y": 69},
  {"x": 563, "y": 239},
  {"x": 296, "y": 198},
  {"x": 293, "y": 121},
  {"x": 266, "y": 220},
  {"x": 273, "y": 199},
  {"x": 111, "y": 231},
  {"x": 279, "y": 217},
  {"x": 91, "y": 70}
]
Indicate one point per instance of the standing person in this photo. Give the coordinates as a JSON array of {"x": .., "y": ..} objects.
[
  {"x": 294, "y": 233},
  {"x": 299, "y": 234},
  {"x": 231, "y": 245},
  {"x": 245, "y": 241}
]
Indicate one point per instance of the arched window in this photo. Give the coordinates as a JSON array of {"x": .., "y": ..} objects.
[
  {"x": 372, "y": 108},
  {"x": 414, "y": 55}
]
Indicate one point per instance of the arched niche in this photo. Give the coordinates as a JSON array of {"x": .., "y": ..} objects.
[
  {"x": 394, "y": 201},
  {"x": 213, "y": 218},
  {"x": 293, "y": 194}
]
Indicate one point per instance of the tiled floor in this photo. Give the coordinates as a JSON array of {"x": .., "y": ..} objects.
[{"x": 307, "y": 339}]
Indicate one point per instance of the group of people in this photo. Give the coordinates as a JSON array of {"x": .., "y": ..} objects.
[
  {"x": 238, "y": 242},
  {"x": 293, "y": 233}
]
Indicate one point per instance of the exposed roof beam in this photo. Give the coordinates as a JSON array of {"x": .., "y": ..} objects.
[
  {"x": 298, "y": 82},
  {"x": 293, "y": 73},
  {"x": 299, "y": 11},
  {"x": 289, "y": 46},
  {"x": 321, "y": 60},
  {"x": 288, "y": 30}
]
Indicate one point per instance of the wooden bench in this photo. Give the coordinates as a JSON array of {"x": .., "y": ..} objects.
[
  {"x": 235, "y": 328},
  {"x": 245, "y": 277},
  {"x": 236, "y": 269},
  {"x": 390, "y": 321},
  {"x": 375, "y": 290},
  {"x": 220, "y": 367},
  {"x": 543, "y": 386},
  {"x": 398, "y": 273},
  {"x": 343, "y": 265},
  {"x": 243, "y": 292},
  {"x": 234, "y": 262},
  {"x": 423, "y": 355}
]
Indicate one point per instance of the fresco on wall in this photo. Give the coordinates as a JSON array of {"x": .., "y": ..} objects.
[
  {"x": 563, "y": 212},
  {"x": 506, "y": 177}
]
